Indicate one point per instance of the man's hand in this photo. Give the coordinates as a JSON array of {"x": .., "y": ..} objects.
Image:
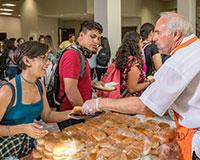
[{"x": 90, "y": 107}]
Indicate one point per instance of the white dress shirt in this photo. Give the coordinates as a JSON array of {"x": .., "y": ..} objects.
[{"x": 177, "y": 84}]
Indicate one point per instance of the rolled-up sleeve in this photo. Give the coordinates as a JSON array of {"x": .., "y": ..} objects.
[{"x": 168, "y": 85}]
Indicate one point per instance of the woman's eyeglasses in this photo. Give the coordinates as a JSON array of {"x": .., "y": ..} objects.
[{"x": 45, "y": 58}]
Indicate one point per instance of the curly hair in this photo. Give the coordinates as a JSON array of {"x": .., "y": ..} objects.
[{"x": 129, "y": 47}]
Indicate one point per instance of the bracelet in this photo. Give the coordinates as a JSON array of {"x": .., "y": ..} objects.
[{"x": 8, "y": 130}]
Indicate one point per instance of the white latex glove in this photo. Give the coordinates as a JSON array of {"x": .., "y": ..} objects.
[{"x": 90, "y": 107}]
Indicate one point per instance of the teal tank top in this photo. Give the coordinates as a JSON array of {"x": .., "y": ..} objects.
[{"x": 23, "y": 113}]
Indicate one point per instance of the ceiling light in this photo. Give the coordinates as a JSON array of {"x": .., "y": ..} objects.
[
  {"x": 5, "y": 13},
  {"x": 8, "y": 4},
  {"x": 6, "y": 9}
]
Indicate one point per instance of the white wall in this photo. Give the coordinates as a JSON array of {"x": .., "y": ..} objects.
[
  {"x": 10, "y": 25},
  {"x": 150, "y": 10},
  {"x": 48, "y": 26},
  {"x": 137, "y": 12},
  {"x": 147, "y": 11},
  {"x": 90, "y": 6},
  {"x": 131, "y": 21},
  {"x": 131, "y": 8},
  {"x": 188, "y": 10},
  {"x": 53, "y": 7},
  {"x": 29, "y": 19}
]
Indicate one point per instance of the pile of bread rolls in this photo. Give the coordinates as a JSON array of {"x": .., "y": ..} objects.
[
  {"x": 108, "y": 136},
  {"x": 57, "y": 146}
]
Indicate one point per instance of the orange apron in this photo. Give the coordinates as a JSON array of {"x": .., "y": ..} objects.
[
  {"x": 184, "y": 135},
  {"x": 184, "y": 139}
]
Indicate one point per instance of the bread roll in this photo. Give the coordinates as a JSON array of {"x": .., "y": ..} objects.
[
  {"x": 46, "y": 158},
  {"x": 39, "y": 148},
  {"x": 77, "y": 110},
  {"x": 151, "y": 122},
  {"x": 48, "y": 148},
  {"x": 163, "y": 125},
  {"x": 41, "y": 141},
  {"x": 60, "y": 157},
  {"x": 60, "y": 148},
  {"x": 99, "y": 135},
  {"x": 47, "y": 154},
  {"x": 36, "y": 155},
  {"x": 91, "y": 156},
  {"x": 117, "y": 137}
]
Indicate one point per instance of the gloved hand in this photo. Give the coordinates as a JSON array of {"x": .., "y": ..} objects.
[{"x": 90, "y": 107}]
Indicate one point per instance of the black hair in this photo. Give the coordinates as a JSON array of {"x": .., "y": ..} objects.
[
  {"x": 145, "y": 29},
  {"x": 18, "y": 40},
  {"x": 91, "y": 25},
  {"x": 49, "y": 41},
  {"x": 71, "y": 35},
  {"x": 31, "y": 38},
  {"x": 8, "y": 45},
  {"x": 129, "y": 46},
  {"x": 41, "y": 37},
  {"x": 31, "y": 49}
]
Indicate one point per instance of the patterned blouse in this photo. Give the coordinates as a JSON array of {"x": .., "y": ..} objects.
[{"x": 132, "y": 61}]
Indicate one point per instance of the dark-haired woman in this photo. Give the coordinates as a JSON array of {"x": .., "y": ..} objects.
[
  {"x": 153, "y": 60},
  {"x": 20, "y": 41},
  {"x": 17, "y": 127},
  {"x": 129, "y": 62},
  {"x": 10, "y": 46}
]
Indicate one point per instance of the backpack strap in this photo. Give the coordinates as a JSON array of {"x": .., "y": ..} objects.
[
  {"x": 82, "y": 61},
  {"x": 2, "y": 83},
  {"x": 39, "y": 84},
  {"x": 82, "y": 58}
]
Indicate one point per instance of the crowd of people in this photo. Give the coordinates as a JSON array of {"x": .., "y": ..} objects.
[{"x": 175, "y": 84}]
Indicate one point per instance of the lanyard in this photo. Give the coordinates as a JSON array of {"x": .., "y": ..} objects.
[{"x": 188, "y": 42}]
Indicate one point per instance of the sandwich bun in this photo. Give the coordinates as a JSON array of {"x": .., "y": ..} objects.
[
  {"x": 36, "y": 155},
  {"x": 46, "y": 158},
  {"x": 41, "y": 141},
  {"x": 47, "y": 154},
  {"x": 60, "y": 149},
  {"x": 77, "y": 109},
  {"x": 39, "y": 148},
  {"x": 163, "y": 125},
  {"x": 60, "y": 157},
  {"x": 50, "y": 145}
]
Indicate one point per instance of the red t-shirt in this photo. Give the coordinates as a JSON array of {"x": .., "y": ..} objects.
[{"x": 69, "y": 67}]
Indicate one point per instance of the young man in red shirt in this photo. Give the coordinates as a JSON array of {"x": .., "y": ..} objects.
[{"x": 77, "y": 89}]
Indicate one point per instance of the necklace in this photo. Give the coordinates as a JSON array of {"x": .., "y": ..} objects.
[{"x": 32, "y": 83}]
